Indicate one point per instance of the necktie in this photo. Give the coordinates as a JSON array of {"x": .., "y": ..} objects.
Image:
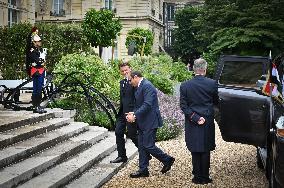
[{"x": 125, "y": 82}]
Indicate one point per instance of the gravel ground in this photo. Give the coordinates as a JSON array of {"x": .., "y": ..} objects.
[{"x": 232, "y": 165}]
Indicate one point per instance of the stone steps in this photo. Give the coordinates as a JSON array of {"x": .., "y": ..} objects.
[
  {"x": 9, "y": 122},
  {"x": 50, "y": 150},
  {"x": 34, "y": 145},
  {"x": 103, "y": 171},
  {"x": 25, "y": 132},
  {"x": 68, "y": 170}
]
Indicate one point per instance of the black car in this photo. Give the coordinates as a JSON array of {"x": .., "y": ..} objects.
[{"x": 248, "y": 115}]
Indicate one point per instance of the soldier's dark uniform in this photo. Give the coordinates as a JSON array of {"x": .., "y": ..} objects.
[{"x": 37, "y": 72}]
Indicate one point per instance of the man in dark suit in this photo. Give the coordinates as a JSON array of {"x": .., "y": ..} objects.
[
  {"x": 148, "y": 118},
  {"x": 126, "y": 105},
  {"x": 197, "y": 99}
]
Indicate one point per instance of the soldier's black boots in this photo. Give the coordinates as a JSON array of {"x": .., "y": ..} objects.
[{"x": 36, "y": 99}]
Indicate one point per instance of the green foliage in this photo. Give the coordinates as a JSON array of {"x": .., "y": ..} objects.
[
  {"x": 63, "y": 103},
  {"x": 161, "y": 71},
  {"x": 211, "y": 59},
  {"x": 180, "y": 72},
  {"x": 99, "y": 74},
  {"x": 243, "y": 27},
  {"x": 100, "y": 27},
  {"x": 59, "y": 39},
  {"x": 137, "y": 35},
  {"x": 95, "y": 73},
  {"x": 12, "y": 50},
  {"x": 186, "y": 45},
  {"x": 102, "y": 120},
  {"x": 170, "y": 130}
]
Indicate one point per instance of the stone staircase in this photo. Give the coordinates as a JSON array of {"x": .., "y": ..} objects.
[{"x": 51, "y": 150}]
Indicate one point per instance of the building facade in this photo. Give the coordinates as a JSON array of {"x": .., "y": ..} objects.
[
  {"x": 15, "y": 11},
  {"x": 132, "y": 13},
  {"x": 156, "y": 15}
]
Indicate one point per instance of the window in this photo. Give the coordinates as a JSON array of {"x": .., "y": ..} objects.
[
  {"x": 108, "y": 4},
  {"x": 241, "y": 73},
  {"x": 170, "y": 12},
  {"x": 13, "y": 13},
  {"x": 58, "y": 8}
]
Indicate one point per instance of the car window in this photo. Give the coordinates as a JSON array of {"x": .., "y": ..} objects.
[{"x": 239, "y": 73}]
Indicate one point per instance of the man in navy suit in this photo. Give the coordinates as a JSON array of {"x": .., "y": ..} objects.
[
  {"x": 148, "y": 118},
  {"x": 197, "y": 99},
  {"x": 126, "y": 105}
]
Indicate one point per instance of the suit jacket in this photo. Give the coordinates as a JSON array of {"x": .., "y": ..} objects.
[
  {"x": 126, "y": 98},
  {"x": 197, "y": 99},
  {"x": 146, "y": 108}
]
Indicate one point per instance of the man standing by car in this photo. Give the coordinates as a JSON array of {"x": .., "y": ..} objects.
[
  {"x": 197, "y": 98},
  {"x": 126, "y": 105}
]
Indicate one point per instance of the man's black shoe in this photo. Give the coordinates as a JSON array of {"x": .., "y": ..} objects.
[
  {"x": 119, "y": 160},
  {"x": 209, "y": 180},
  {"x": 139, "y": 174},
  {"x": 168, "y": 165},
  {"x": 196, "y": 181}
]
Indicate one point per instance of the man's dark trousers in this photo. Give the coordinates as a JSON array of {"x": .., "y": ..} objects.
[
  {"x": 200, "y": 164},
  {"x": 120, "y": 128},
  {"x": 146, "y": 141}
]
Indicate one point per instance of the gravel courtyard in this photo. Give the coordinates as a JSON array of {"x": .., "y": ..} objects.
[{"x": 232, "y": 165}]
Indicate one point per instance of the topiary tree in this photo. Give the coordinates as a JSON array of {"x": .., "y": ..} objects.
[
  {"x": 137, "y": 36},
  {"x": 101, "y": 28}
]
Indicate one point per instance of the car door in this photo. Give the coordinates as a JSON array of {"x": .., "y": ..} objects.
[{"x": 243, "y": 115}]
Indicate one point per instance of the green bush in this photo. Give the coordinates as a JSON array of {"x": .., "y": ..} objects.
[
  {"x": 137, "y": 35},
  {"x": 161, "y": 71},
  {"x": 102, "y": 120},
  {"x": 211, "y": 59},
  {"x": 170, "y": 130},
  {"x": 99, "y": 75},
  {"x": 161, "y": 82},
  {"x": 180, "y": 72},
  {"x": 12, "y": 50}
]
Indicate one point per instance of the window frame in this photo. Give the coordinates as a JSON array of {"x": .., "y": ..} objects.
[
  {"x": 108, "y": 4},
  {"x": 57, "y": 5},
  {"x": 13, "y": 12}
]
